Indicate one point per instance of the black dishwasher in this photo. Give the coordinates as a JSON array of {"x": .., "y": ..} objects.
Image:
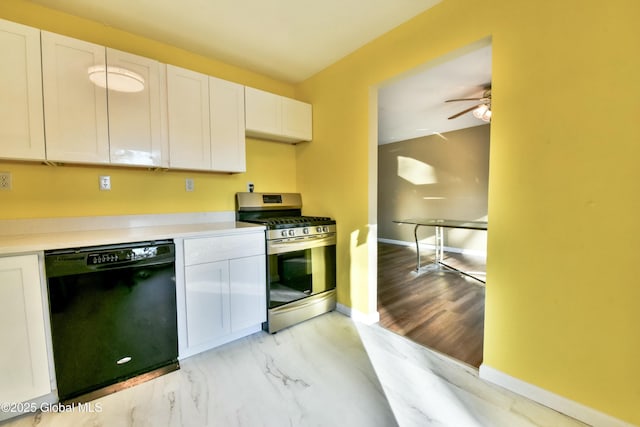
[{"x": 113, "y": 316}]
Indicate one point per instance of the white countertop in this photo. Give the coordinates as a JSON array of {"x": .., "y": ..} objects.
[{"x": 39, "y": 241}]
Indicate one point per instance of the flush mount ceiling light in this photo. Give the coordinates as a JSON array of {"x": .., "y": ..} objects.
[{"x": 118, "y": 79}]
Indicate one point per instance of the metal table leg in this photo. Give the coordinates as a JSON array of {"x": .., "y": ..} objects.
[
  {"x": 439, "y": 249},
  {"x": 415, "y": 235},
  {"x": 439, "y": 245}
]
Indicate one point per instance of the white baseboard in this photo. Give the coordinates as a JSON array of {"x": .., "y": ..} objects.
[
  {"x": 184, "y": 352},
  {"x": 368, "y": 319},
  {"x": 430, "y": 247},
  {"x": 559, "y": 403}
]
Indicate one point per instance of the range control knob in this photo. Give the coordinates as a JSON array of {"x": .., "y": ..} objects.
[
  {"x": 325, "y": 229},
  {"x": 319, "y": 229},
  {"x": 305, "y": 230},
  {"x": 292, "y": 232},
  {"x": 283, "y": 233}
]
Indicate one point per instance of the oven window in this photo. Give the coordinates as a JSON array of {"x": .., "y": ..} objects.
[{"x": 298, "y": 274}]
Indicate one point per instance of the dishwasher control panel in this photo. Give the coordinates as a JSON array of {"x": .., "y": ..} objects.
[
  {"x": 125, "y": 255},
  {"x": 74, "y": 261}
]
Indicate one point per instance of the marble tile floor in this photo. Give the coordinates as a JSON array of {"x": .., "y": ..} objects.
[{"x": 328, "y": 371}]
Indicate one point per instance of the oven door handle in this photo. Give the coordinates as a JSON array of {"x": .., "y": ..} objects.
[{"x": 281, "y": 246}]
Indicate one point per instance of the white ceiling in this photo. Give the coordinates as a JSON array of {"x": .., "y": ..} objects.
[
  {"x": 289, "y": 40},
  {"x": 414, "y": 105}
]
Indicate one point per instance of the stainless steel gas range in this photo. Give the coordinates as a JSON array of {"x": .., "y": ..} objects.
[{"x": 301, "y": 257}]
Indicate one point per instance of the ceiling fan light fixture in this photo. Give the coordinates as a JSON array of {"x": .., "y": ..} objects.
[
  {"x": 116, "y": 78},
  {"x": 483, "y": 112}
]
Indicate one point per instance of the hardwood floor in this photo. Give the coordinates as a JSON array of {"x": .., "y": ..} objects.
[{"x": 442, "y": 311}]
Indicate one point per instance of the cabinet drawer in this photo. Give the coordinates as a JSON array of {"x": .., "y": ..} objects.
[{"x": 211, "y": 249}]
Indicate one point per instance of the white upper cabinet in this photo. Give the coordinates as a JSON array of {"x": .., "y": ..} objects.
[
  {"x": 75, "y": 109},
  {"x": 21, "y": 116},
  {"x": 296, "y": 120},
  {"x": 263, "y": 113},
  {"x": 135, "y": 124},
  {"x": 226, "y": 103},
  {"x": 70, "y": 101},
  {"x": 275, "y": 117},
  {"x": 92, "y": 114},
  {"x": 188, "y": 110},
  {"x": 206, "y": 122}
]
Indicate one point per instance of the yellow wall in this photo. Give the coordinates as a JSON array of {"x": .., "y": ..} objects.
[
  {"x": 563, "y": 294},
  {"x": 40, "y": 191},
  {"x": 47, "y": 191},
  {"x": 561, "y": 310}
]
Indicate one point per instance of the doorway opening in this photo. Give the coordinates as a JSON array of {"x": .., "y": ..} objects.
[{"x": 430, "y": 166}]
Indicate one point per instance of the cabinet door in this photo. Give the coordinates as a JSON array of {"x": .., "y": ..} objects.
[
  {"x": 296, "y": 119},
  {"x": 24, "y": 367},
  {"x": 75, "y": 109},
  {"x": 263, "y": 113},
  {"x": 276, "y": 117},
  {"x": 134, "y": 117},
  {"x": 188, "y": 110},
  {"x": 226, "y": 101},
  {"x": 248, "y": 298},
  {"x": 21, "y": 116},
  {"x": 207, "y": 295}
]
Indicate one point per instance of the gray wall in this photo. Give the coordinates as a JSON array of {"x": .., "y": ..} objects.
[{"x": 434, "y": 177}]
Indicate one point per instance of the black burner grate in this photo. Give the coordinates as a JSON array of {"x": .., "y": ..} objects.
[{"x": 293, "y": 221}]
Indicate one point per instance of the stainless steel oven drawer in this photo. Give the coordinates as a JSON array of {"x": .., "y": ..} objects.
[{"x": 301, "y": 310}]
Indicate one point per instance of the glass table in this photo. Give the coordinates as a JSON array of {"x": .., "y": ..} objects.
[{"x": 439, "y": 225}]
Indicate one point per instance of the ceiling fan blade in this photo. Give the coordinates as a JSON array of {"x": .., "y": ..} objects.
[
  {"x": 465, "y": 111},
  {"x": 467, "y": 99}
]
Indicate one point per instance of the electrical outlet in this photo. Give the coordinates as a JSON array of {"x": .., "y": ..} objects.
[
  {"x": 5, "y": 180},
  {"x": 105, "y": 183},
  {"x": 250, "y": 187},
  {"x": 188, "y": 184}
]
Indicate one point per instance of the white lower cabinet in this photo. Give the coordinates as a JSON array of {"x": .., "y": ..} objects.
[
  {"x": 24, "y": 363},
  {"x": 247, "y": 299},
  {"x": 207, "y": 292},
  {"x": 224, "y": 290}
]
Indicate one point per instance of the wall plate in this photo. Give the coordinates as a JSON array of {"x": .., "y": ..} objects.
[
  {"x": 105, "y": 183},
  {"x": 5, "y": 181}
]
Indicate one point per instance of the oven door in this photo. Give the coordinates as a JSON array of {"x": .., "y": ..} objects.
[{"x": 298, "y": 268}]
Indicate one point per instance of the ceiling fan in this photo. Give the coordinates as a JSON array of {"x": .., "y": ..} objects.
[{"x": 482, "y": 110}]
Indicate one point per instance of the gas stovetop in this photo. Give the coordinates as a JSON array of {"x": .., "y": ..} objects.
[
  {"x": 281, "y": 213},
  {"x": 293, "y": 221},
  {"x": 278, "y": 211}
]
